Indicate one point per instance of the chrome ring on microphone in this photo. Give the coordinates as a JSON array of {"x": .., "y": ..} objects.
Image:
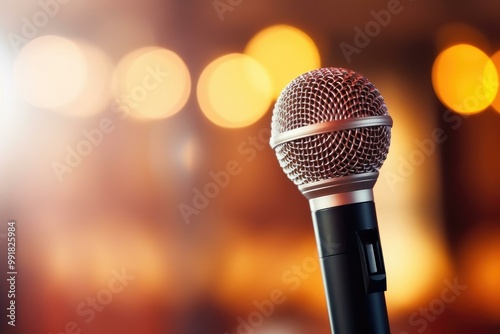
[
  {"x": 325, "y": 127},
  {"x": 355, "y": 188}
]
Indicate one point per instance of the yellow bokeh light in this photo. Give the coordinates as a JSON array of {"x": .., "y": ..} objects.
[
  {"x": 234, "y": 91},
  {"x": 496, "y": 60},
  {"x": 286, "y": 52},
  {"x": 152, "y": 83},
  {"x": 50, "y": 71},
  {"x": 465, "y": 79},
  {"x": 96, "y": 92}
]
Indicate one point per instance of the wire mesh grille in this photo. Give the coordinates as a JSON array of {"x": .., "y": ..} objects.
[{"x": 324, "y": 95}]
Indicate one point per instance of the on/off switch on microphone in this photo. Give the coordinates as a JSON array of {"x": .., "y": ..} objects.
[{"x": 372, "y": 262}]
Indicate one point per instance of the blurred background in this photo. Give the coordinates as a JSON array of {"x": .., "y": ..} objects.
[{"x": 135, "y": 161}]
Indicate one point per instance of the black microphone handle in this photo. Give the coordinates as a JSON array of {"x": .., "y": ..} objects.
[{"x": 353, "y": 268}]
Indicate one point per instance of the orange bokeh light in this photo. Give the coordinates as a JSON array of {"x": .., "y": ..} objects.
[
  {"x": 234, "y": 91},
  {"x": 465, "y": 79}
]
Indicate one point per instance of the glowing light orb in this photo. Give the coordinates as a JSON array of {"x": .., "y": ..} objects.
[
  {"x": 152, "y": 83},
  {"x": 234, "y": 91},
  {"x": 465, "y": 79},
  {"x": 286, "y": 52},
  {"x": 50, "y": 71}
]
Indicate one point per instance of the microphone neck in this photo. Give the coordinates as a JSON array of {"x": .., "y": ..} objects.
[{"x": 351, "y": 189}]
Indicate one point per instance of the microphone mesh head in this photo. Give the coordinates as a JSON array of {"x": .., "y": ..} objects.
[{"x": 324, "y": 95}]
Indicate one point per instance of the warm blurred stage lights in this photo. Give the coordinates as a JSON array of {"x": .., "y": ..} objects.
[
  {"x": 407, "y": 195},
  {"x": 496, "y": 60},
  {"x": 480, "y": 260},
  {"x": 50, "y": 71},
  {"x": 234, "y": 91},
  {"x": 465, "y": 79},
  {"x": 117, "y": 243},
  {"x": 152, "y": 83},
  {"x": 1, "y": 92},
  {"x": 188, "y": 153},
  {"x": 96, "y": 92},
  {"x": 2, "y": 80},
  {"x": 286, "y": 52}
]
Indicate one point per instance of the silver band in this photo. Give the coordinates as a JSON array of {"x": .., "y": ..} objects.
[
  {"x": 356, "y": 188},
  {"x": 342, "y": 124},
  {"x": 330, "y": 201}
]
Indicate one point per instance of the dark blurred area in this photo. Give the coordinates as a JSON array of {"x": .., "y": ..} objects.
[{"x": 134, "y": 159}]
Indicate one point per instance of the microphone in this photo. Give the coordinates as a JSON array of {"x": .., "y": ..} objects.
[{"x": 331, "y": 132}]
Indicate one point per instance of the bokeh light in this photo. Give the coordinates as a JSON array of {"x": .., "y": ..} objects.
[
  {"x": 286, "y": 52},
  {"x": 96, "y": 92},
  {"x": 152, "y": 83},
  {"x": 119, "y": 200},
  {"x": 50, "y": 71},
  {"x": 480, "y": 258},
  {"x": 234, "y": 91},
  {"x": 496, "y": 60},
  {"x": 465, "y": 79}
]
